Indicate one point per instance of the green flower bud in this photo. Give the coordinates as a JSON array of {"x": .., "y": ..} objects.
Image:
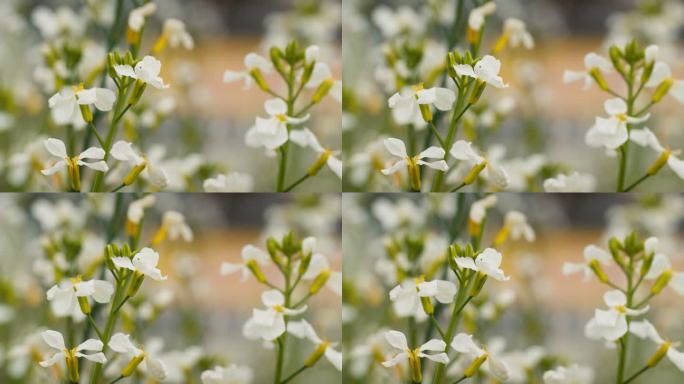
[
  {"x": 475, "y": 365},
  {"x": 662, "y": 282}
]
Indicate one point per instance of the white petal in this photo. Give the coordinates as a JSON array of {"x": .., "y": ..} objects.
[
  {"x": 272, "y": 297},
  {"x": 397, "y": 340},
  {"x": 433, "y": 345},
  {"x": 614, "y": 298},
  {"x": 432, "y": 153},
  {"x": 394, "y": 168},
  {"x": 90, "y": 345},
  {"x": 676, "y": 165},
  {"x": 275, "y": 107},
  {"x": 396, "y": 147},
  {"x": 54, "y": 339},
  {"x": 56, "y": 147},
  {"x": 615, "y": 106}
]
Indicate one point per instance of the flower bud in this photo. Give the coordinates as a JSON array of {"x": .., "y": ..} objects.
[
  {"x": 414, "y": 367},
  {"x": 276, "y": 58},
  {"x": 86, "y": 113},
  {"x": 273, "y": 248},
  {"x": 662, "y": 90},
  {"x": 319, "y": 281},
  {"x": 72, "y": 365},
  {"x": 596, "y": 74},
  {"x": 306, "y": 75},
  {"x": 633, "y": 245},
  {"x": 648, "y": 71},
  {"x": 598, "y": 271},
  {"x": 474, "y": 173},
  {"x": 110, "y": 252},
  {"x": 133, "y": 174},
  {"x": 658, "y": 355},
  {"x": 259, "y": 79},
  {"x": 646, "y": 265},
  {"x": 426, "y": 112},
  {"x": 659, "y": 163},
  {"x": 84, "y": 304},
  {"x": 256, "y": 271},
  {"x": 477, "y": 91},
  {"x": 132, "y": 365},
  {"x": 136, "y": 283},
  {"x": 137, "y": 93},
  {"x": 661, "y": 282},
  {"x": 320, "y": 162},
  {"x": 633, "y": 52},
  {"x": 427, "y": 305},
  {"x": 480, "y": 281},
  {"x": 452, "y": 62},
  {"x": 316, "y": 355},
  {"x": 616, "y": 58},
  {"x": 453, "y": 254},
  {"x": 322, "y": 91},
  {"x": 304, "y": 264},
  {"x": 475, "y": 365},
  {"x": 614, "y": 247}
]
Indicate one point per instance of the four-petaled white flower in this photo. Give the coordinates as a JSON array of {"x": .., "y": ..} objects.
[
  {"x": 477, "y": 16},
  {"x": 144, "y": 262},
  {"x": 406, "y": 104},
  {"x": 306, "y": 138},
  {"x": 517, "y": 226},
  {"x": 175, "y": 227},
  {"x": 251, "y": 255},
  {"x": 478, "y": 210},
  {"x": 592, "y": 62},
  {"x": 268, "y": 324},
  {"x": 398, "y": 148},
  {"x": 488, "y": 262},
  {"x": 646, "y": 138},
  {"x": 611, "y": 324},
  {"x": 136, "y": 19},
  {"x": 252, "y": 61},
  {"x": 63, "y": 297},
  {"x": 303, "y": 330},
  {"x": 271, "y": 133},
  {"x": 573, "y": 374},
  {"x": 65, "y": 105},
  {"x": 575, "y": 182},
  {"x": 485, "y": 70},
  {"x": 234, "y": 374},
  {"x": 56, "y": 341},
  {"x": 57, "y": 148},
  {"x": 175, "y": 32},
  {"x": 121, "y": 343},
  {"x": 136, "y": 210},
  {"x": 398, "y": 341},
  {"x": 645, "y": 330},
  {"x": 146, "y": 70},
  {"x": 515, "y": 34},
  {"x": 593, "y": 255},
  {"x": 464, "y": 343},
  {"x": 406, "y": 297},
  {"x": 612, "y": 132}
]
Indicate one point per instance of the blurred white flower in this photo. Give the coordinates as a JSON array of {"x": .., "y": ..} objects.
[
  {"x": 175, "y": 227},
  {"x": 404, "y": 20},
  {"x": 398, "y": 341},
  {"x": 464, "y": 343},
  {"x": 485, "y": 70},
  {"x": 497, "y": 175},
  {"x": 406, "y": 297},
  {"x": 271, "y": 133},
  {"x": 306, "y": 138},
  {"x": 64, "y": 297},
  {"x": 477, "y": 16},
  {"x": 645, "y": 330},
  {"x": 65, "y": 105},
  {"x": 573, "y": 374},
  {"x": 136, "y": 209},
  {"x": 63, "y": 22},
  {"x": 646, "y": 138},
  {"x": 136, "y": 18},
  {"x": 269, "y": 324},
  {"x": 488, "y": 262},
  {"x": 253, "y": 62},
  {"x": 515, "y": 34},
  {"x": 517, "y": 226},
  {"x": 612, "y": 132},
  {"x": 234, "y": 374},
  {"x": 252, "y": 258},
  {"x": 612, "y": 324},
  {"x": 303, "y": 330},
  {"x": 662, "y": 74},
  {"x": 398, "y": 148},
  {"x": 175, "y": 33},
  {"x": 661, "y": 266},
  {"x": 56, "y": 341},
  {"x": 319, "y": 265},
  {"x": 229, "y": 182},
  {"x": 478, "y": 210},
  {"x": 575, "y": 182},
  {"x": 144, "y": 262},
  {"x": 121, "y": 343},
  {"x": 146, "y": 70},
  {"x": 594, "y": 257},
  {"x": 406, "y": 104},
  {"x": 592, "y": 62},
  {"x": 57, "y": 148}
]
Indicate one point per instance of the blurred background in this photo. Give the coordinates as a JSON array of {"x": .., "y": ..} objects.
[
  {"x": 538, "y": 113},
  {"x": 194, "y": 319},
  {"x": 539, "y": 308},
  {"x": 202, "y": 124}
]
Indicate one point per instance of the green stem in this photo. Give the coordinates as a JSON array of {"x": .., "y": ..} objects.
[
  {"x": 636, "y": 183},
  {"x": 624, "y": 340},
  {"x": 111, "y": 135},
  {"x": 96, "y": 375},
  {"x": 116, "y": 380},
  {"x": 637, "y": 374},
  {"x": 624, "y": 149},
  {"x": 459, "y": 380},
  {"x": 282, "y": 167},
  {"x": 461, "y": 302},
  {"x": 94, "y": 325},
  {"x": 294, "y": 374},
  {"x": 439, "y": 138},
  {"x": 458, "y": 188},
  {"x": 296, "y": 183}
]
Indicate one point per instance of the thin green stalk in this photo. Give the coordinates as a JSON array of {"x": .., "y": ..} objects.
[
  {"x": 111, "y": 135},
  {"x": 624, "y": 341},
  {"x": 624, "y": 149},
  {"x": 637, "y": 374},
  {"x": 294, "y": 374},
  {"x": 296, "y": 183},
  {"x": 282, "y": 340},
  {"x": 636, "y": 183}
]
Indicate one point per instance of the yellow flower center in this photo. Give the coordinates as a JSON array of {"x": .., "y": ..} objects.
[
  {"x": 282, "y": 118},
  {"x": 279, "y": 308}
]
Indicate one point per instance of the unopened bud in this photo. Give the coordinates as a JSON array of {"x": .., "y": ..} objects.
[
  {"x": 86, "y": 113},
  {"x": 596, "y": 74},
  {"x": 304, "y": 264},
  {"x": 426, "y": 302},
  {"x": 475, "y": 365},
  {"x": 322, "y": 91},
  {"x": 316, "y": 355},
  {"x": 662, "y": 90},
  {"x": 256, "y": 271},
  {"x": 659, "y": 163},
  {"x": 598, "y": 271},
  {"x": 616, "y": 58},
  {"x": 646, "y": 265},
  {"x": 662, "y": 282},
  {"x": 308, "y": 71},
  {"x": 320, "y": 162},
  {"x": 276, "y": 58},
  {"x": 480, "y": 281},
  {"x": 614, "y": 246},
  {"x": 474, "y": 173},
  {"x": 137, "y": 93},
  {"x": 132, "y": 365},
  {"x": 658, "y": 355},
  {"x": 259, "y": 78},
  {"x": 319, "y": 281},
  {"x": 426, "y": 112},
  {"x": 84, "y": 304},
  {"x": 477, "y": 92},
  {"x": 648, "y": 71},
  {"x": 136, "y": 283}
]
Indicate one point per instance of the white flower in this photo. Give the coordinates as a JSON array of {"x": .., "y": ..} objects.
[
  {"x": 146, "y": 70},
  {"x": 518, "y": 227},
  {"x": 646, "y": 138},
  {"x": 592, "y": 62},
  {"x": 65, "y": 105},
  {"x": 478, "y": 210},
  {"x": 61, "y": 22},
  {"x": 136, "y": 19},
  {"x": 405, "y": 105},
  {"x": 302, "y": 329},
  {"x": 645, "y": 330},
  {"x": 573, "y": 374},
  {"x": 612, "y": 132},
  {"x": 56, "y": 341},
  {"x": 398, "y": 148},
  {"x": 251, "y": 255},
  {"x": 406, "y": 298},
  {"x": 515, "y": 34},
  {"x": 232, "y": 374},
  {"x": 176, "y": 34},
  {"x": 252, "y": 62},
  {"x": 230, "y": 182},
  {"x": 319, "y": 264},
  {"x": 488, "y": 262},
  {"x": 57, "y": 148},
  {"x": 136, "y": 209},
  {"x": 272, "y": 132},
  {"x": 485, "y": 70},
  {"x": 269, "y": 324},
  {"x": 173, "y": 223},
  {"x": 121, "y": 343},
  {"x": 404, "y": 20},
  {"x": 464, "y": 343},
  {"x": 123, "y": 151},
  {"x": 144, "y": 262},
  {"x": 306, "y": 138},
  {"x": 611, "y": 324},
  {"x": 661, "y": 265},
  {"x": 463, "y": 150},
  {"x": 63, "y": 297},
  {"x": 477, "y": 16},
  {"x": 398, "y": 341},
  {"x": 575, "y": 182},
  {"x": 592, "y": 255},
  {"x": 663, "y": 73}
]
